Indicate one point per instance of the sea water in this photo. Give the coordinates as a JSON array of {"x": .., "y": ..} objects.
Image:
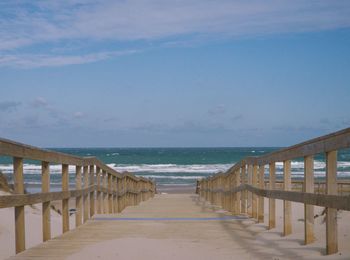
[{"x": 168, "y": 166}]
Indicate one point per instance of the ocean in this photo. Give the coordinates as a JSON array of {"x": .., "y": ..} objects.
[{"x": 168, "y": 166}]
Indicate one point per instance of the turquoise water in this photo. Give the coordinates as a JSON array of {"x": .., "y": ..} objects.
[{"x": 170, "y": 166}]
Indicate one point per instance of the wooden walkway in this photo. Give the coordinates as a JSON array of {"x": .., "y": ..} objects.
[{"x": 171, "y": 226}]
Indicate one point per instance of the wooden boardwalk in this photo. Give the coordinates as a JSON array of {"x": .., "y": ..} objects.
[{"x": 172, "y": 226}]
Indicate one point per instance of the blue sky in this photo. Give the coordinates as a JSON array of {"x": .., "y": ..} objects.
[{"x": 173, "y": 73}]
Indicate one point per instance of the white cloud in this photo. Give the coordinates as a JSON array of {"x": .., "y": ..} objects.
[{"x": 27, "y": 25}]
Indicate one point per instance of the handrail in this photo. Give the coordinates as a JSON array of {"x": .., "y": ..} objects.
[
  {"x": 241, "y": 189},
  {"x": 103, "y": 189}
]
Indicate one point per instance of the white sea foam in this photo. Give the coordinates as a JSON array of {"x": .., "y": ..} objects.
[
  {"x": 172, "y": 168},
  {"x": 193, "y": 169},
  {"x": 172, "y": 177}
]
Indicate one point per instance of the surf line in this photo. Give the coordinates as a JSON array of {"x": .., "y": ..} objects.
[{"x": 171, "y": 219}]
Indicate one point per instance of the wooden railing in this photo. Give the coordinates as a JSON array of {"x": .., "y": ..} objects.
[
  {"x": 242, "y": 188},
  {"x": 97, "y": 187}
]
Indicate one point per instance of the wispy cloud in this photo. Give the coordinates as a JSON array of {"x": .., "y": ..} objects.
[
  {"x": 26, "y": 26},
  {"x": 9, "y": 106},
  {"x": 38, "y": 60},
  {"x": 217, "y": 110},
  {"x": 40, "y": 102}
]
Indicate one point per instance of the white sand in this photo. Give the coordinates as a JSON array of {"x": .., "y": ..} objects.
[{"x": 33, "y": 224}]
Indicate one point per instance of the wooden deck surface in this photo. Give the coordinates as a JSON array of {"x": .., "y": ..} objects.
[{"x": 178, "y": 224}]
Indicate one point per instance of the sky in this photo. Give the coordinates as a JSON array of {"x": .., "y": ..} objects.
[{"x": 180, "y": 73}]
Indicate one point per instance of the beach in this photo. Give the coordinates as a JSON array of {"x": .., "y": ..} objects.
[{"x": 33, "y": 227}]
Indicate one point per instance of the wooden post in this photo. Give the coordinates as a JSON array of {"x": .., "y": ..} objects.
[
  {"x": 121, "y": 199},
  {"x": 250, "y": 194},
  {"x": 309, "y": 209},
  {"x": 261, "y": 198},
  {"x": 105, "y": 194},
  {"x": 125, "y": 192},
  {"x": 78, "y": 199},
  {"x": 272, "y": 202},
  {"x": 331, "y": 216},
  {"x": 65, "y": 202},
  {"x": 45, "y": 187},
  {"x": 255, "y": 198},
  {"x": 211, "y": 191},
  {"x": 222, "y": 193},
  {"x": 19, "y": 211},
  {"x": 110, "y": 196},
  {"x": 230, "y": 194},
  {"x": 238, "y": 194},
  {"x": 119, "y": 189},
  {"x": 98, "y": 193},
  {"x": 92, "y": 193},
  {"x": 86, "y": 194},
  {"x": 287, "y": 205},
  {"x": 115, "y": 197},
  {"x": 243, "y": 193}
]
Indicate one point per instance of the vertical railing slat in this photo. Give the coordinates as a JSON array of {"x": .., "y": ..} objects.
[
  {"x": 287, "y": 205},
  {"x": 65, "y": 202},
  {"x": 110, "y": 196},
  {"x": 331, "y": 214},
  {"x": 243, "y": 193},
  {"x": 78, "y": 199},
  {"x": 250, "y": 194},
  {"x": 261, "y": 198},
  {"x": 19, "y": 211},
  {"x": 272, "y": 202},
  {"x": 308, "y": 209},
  {"x": 86, "y": 194},
  {"x": 45, "y": 187},
  {"x": 255, "y": 197},
  {"x": 92, "y": 192},
  {"x": 98, "y": 193}
]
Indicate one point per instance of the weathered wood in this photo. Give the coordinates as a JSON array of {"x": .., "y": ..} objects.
[
  {"x": 254, "y": 196},
  {"x": 45, "y": 187},
  {"x": 322, "y": 200},
  {"x": 308, "y": 209},
  {"x": 331, "y": 213},
  {"x": 243, "y": 193},
  {"x": 14, "y": 149},
  {"x": 261, "y": 198},
  {"x": 92, "y": 193},
  {"x": 330, "y": 142},
  {"x": 19, "y": 211},
  {"x": 105, "y": 194},
  {"x": 78, "y": 199},
  {"x": 272, "y": 202},
  {"x": 250, "y": 195},
  {"x": 86, "y": 196},
  {"x": 110, "y": 197},
  {"x": 65, "y": 202},
  {"x": 34, "y": 198},
  {"x": 19, "y": 199},
  {"x": 119, "y": 184},
  {"x": 115, "y": 197},
  {"x": 98, "y": 192},
  {"x": 287, "y": 205}
]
